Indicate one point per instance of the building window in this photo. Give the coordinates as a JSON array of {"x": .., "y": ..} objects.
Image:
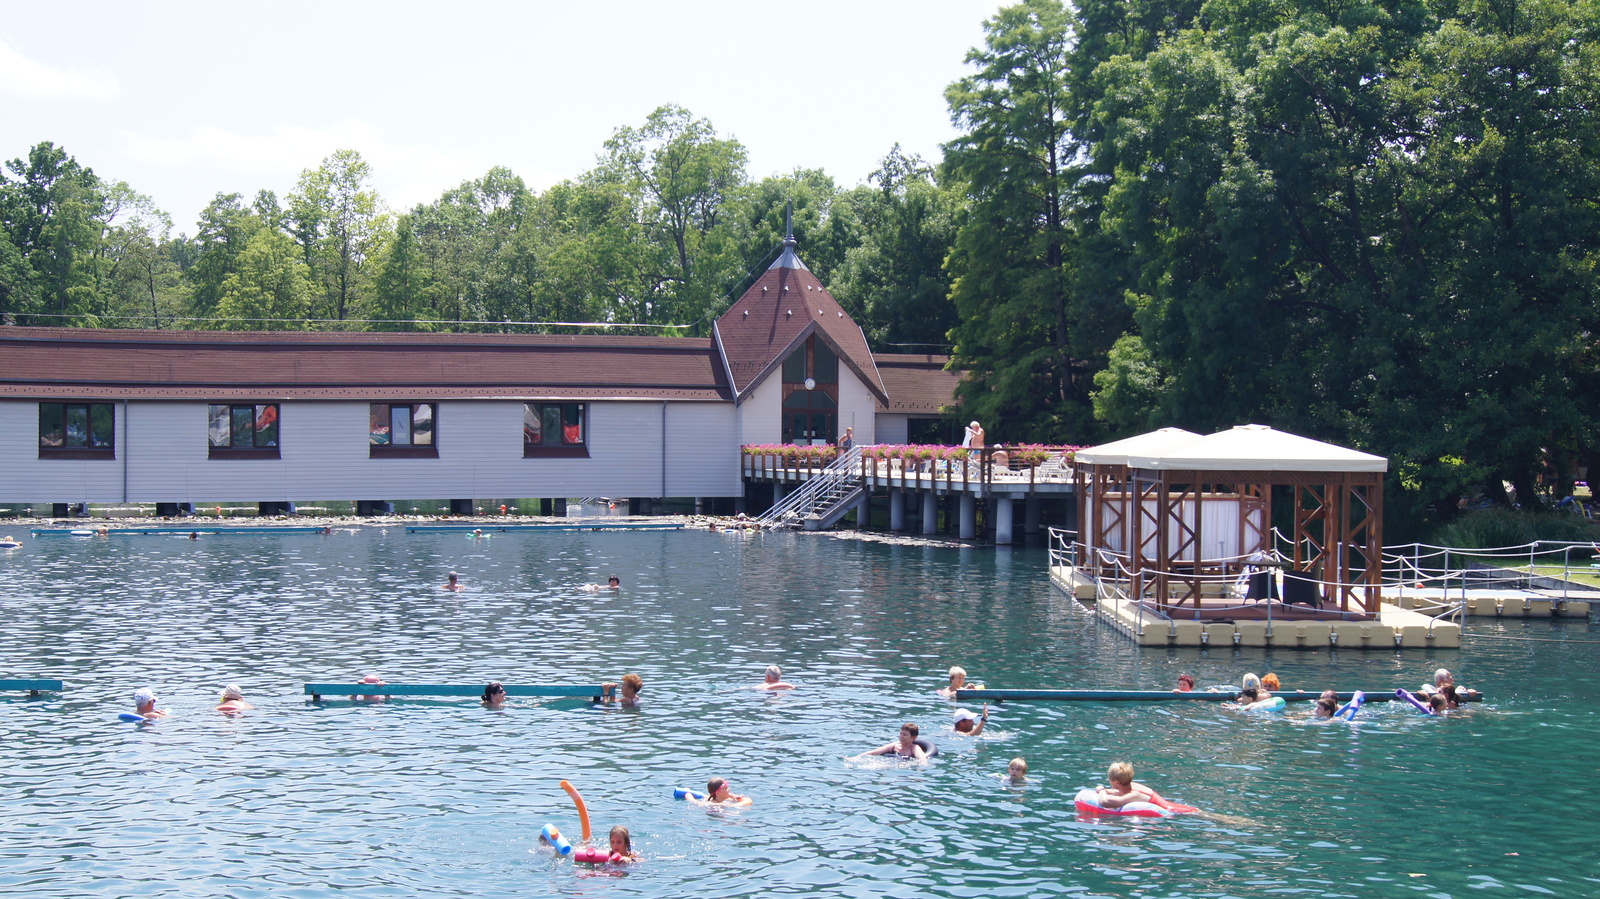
[
  {"x": 811, "y": 393},
  {"x": 555, "y": 430},
  {"x": 243, "y": 431},
  {"x": 77, "y": 431},
  {"x": 403, "y": 431}
]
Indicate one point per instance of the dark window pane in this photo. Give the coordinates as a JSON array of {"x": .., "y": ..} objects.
[
  {"x": 794, "y": 367},
  {"x": 77, "y": 425},
  {"x": 827, "y": 364},
  {"x": 51, "y": 416},
  {"x": 241, "y": 427},
  {"x": 400, "y": 425},
  {"x": 552, "y": 422},
  {"x": 378, "y": 424},
  {"x": 102, "y": 425}
]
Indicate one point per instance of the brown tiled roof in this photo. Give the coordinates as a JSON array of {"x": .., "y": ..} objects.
[
  {"x": 786, "y": 305},
  {"x": 918, "y": 384},
  {"x": 106, "y": 364}
]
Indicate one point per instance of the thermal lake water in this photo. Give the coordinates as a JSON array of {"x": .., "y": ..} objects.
[{"x": 442, "y": 797}]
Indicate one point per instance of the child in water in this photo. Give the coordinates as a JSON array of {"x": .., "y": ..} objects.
[
  {"x": 622, "y": 846},
  {"x": 1123, "y": 790},
  {"x": 1018, "y": 769}
]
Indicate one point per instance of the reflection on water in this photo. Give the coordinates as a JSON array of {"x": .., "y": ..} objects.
[{"x": 437, "y": 796}]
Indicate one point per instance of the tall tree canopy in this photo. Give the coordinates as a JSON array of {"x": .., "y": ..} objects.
[
  {"x": 1371, "y": 221},
  {"x": 1023, "y": 331}
]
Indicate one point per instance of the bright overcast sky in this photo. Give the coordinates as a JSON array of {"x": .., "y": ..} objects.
[{"x": 183, "y": 100}]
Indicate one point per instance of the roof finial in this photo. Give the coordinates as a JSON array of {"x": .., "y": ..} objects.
[{"x": 788, "y": 258}]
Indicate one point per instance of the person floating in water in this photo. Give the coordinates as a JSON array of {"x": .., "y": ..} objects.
[
  {"x": 454, "y": 583},
  {"x": 144, "y": 704},
  {"x": 720, "y": 792},
  {"x": 906, "y": 747},
  {"x": 773, "y": 680},
  {"x": 632, "y": 684},
  {"x": 233, "y": 700},
  {"x": 971, "y": 723},
  {"x": 494, "y": 695},
  {"x": 612, "y": 583},
  {"x": 1122, "y": 789},
  {"x": 958, "y": 681},
  {"x": 1185, "y": 683},
  {"x": 1017, "y": 769},
  {"x": 622, "y": 846}
]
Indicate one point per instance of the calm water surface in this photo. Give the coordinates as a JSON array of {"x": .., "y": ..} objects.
[{"x": 442, "y": 797}]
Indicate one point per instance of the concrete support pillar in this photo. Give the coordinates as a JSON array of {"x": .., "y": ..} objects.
[
  {"x": 1031, "y": 509},
  {"x": 1002, "y": 520},
  {"x": 699, "y": 505},
  {"x": 544, "y": 507},
  {"x": 969, "y": 516},
  {"x": 777, "y": 492},
  {"x": 897, "y": 509},
  {"x": 864, "y": 510},
  {"x": 561, "y": 507},
  {"x": 930, "y": 512}
]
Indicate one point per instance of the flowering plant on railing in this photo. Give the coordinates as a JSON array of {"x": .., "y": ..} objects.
[
  {"x": 1035, "y": 454},
  {"x": 797, "y": 453}
]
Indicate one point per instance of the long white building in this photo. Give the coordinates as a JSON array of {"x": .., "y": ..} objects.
[{"x": 276, "y": 418}]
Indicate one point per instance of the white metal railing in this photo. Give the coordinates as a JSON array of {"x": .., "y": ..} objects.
[{"x": 842, "y": 471}]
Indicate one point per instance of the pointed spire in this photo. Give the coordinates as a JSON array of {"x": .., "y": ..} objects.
[{"x": 788, "y": 259}]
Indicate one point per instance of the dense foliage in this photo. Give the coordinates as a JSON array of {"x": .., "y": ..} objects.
[{"x": 1372, "y": 222}]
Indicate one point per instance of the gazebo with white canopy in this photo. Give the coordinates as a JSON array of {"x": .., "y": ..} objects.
[{"x": 1176, "y": 511}]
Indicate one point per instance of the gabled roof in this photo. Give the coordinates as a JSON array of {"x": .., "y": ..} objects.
[
  {"x": 917, "y": 383},
  {"x": 89, "y": 363},
  {"x": 1259, "y": 448},
  {"x": 786, "y": 305}
]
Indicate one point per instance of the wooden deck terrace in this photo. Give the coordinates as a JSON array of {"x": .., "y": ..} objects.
[{"x": 979, "y": 478}]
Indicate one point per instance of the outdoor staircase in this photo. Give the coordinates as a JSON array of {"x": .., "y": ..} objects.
[{"x": 820, "y": 502}]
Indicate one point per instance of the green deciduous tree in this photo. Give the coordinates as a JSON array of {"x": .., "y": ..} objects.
[
  {"x": 895, "y": 276},
  {"x": 269, "y": 289},
  {"x": 341, "y": 225},
  {"x": 1372, "y": 222},
  {"x": 1028, "y": 337}
]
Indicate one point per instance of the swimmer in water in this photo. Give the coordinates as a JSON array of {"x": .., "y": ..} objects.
[
  {"x": 905, "y": 747},
  {"x": 454, "y": 583},
  {"x": 1185, "y": 683},
  {"x": 233, "y": 700},
  {"x": 622, "y": 846},
  {"x": 773, "y": 680},
  {"x": 494, "y": 695},
  {"x": 720, "y": 792},
  {"x": 370, "y": 680},
  {"x": 144, "y": 704},
  {"x": 1122, "y": 789},
  {"x": 612, "y": 583},
  {"x": 958, "y": 679},
  {"x": 971, "y": 723},
  {"x": 1327, "y": 704},
  {"x": 632, "y": 684},
  {"x": 1017, "y": 770}
]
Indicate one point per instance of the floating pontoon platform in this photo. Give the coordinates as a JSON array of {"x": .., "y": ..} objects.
[
  {"x": 1165, "y": 695},
  {"x": 317, "y": 691},
  {"x": 588, "y": 525},
  {"x": 209, "y": 530},
  {"x": 34, "y": 687}
]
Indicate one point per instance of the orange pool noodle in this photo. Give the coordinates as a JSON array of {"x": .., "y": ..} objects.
[{"x": 583, "y": 810}]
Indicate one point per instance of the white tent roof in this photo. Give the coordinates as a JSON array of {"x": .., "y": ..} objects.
[
  {"x": 1257, "y": 448},
  {"x": 1117, "y": 452}
]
